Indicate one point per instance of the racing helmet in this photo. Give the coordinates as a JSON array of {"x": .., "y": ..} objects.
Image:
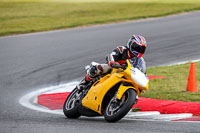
[{"x": 137, "y": 45}]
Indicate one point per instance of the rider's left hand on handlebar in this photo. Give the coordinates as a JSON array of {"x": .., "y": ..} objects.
[
  {"x": 117, "y": 65},
  {"x": 113, "y": 64},
  {"x": 124, "y": 66}
]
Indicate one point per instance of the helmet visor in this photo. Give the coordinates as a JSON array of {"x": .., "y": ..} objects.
[{"x": 136, "y": 47}]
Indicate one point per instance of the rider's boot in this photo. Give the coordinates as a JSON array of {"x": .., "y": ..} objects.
[{"x": 82, "y": 85}]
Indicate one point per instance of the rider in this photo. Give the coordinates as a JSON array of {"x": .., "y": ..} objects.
[{"x": 134, "y": 51}]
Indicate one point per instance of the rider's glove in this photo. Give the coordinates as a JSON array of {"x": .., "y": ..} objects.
[{"x": 111, "y": 63}]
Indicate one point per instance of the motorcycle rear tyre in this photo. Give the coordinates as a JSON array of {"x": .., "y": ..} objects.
[{"x": 74, "y": 112}]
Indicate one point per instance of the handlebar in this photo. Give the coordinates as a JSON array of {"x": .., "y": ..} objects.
[{"x": 119, "y": 66}]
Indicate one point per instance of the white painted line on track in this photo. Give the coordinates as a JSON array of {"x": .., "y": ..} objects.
[
  {"x": 155, "y": 115},
  {"x": 182, "y": 62},
  {"x": 177, "y": 63},
  {"x": 30, "y": 99},
  {"x": 165, "y": 117},
  {"x": 143, "y": 114},
  {"x": 173, "y": 116},
  {"x": 147, "y": 120}
]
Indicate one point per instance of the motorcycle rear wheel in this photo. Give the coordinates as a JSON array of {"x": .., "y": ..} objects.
[
  {"x": 71, "y": 105},
  {"x": 117, "y": 109}
]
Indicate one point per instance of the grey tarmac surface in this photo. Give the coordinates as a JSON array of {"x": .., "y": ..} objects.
[{"x": 29, "y": 62}]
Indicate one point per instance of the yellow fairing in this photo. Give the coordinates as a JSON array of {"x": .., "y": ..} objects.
[
  {"x": 97, "y": 92},
  {"x": 94, "y": 98}
]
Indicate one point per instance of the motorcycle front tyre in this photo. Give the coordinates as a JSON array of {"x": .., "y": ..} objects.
[
  {"x": 130, "y": 95},
  {"x": 72, "y": 112}
]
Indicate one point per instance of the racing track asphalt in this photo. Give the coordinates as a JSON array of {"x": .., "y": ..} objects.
[{"x": 29, "y": 62}]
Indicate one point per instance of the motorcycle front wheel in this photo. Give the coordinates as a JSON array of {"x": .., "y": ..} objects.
[
  {"x": 71, "y": 105},
  {"x": 117, "y": 109}
]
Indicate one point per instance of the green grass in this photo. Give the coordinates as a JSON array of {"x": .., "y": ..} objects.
[
  {"x": 138, "y": 1},
  {"x": 24, "y": 16},
  {"x": 120, "y": 1},
  {"x": 173, "y": 87}
]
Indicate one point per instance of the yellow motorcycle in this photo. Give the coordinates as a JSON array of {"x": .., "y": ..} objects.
[{"x": 111, "y": 95}]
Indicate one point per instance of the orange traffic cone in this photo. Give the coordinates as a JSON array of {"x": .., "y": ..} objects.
[{"x": 192, "y": 83}]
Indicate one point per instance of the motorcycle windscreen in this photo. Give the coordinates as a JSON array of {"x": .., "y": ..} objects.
[{"x": 139, "y": 78}]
